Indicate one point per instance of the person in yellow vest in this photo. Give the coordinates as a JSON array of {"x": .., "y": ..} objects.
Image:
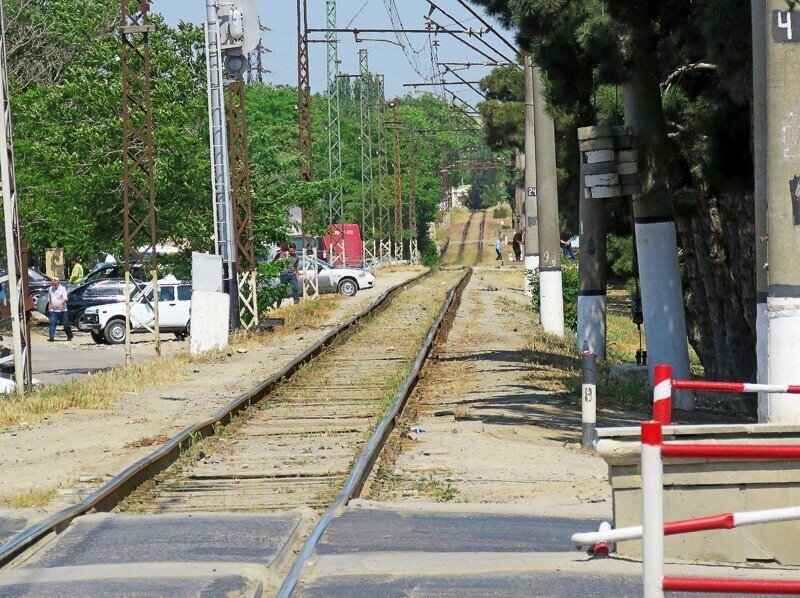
[{"x": 76, "y": 277}]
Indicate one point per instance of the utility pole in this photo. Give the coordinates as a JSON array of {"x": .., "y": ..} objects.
[
  {"x": 304, "y": 92},
  {"x": 310, "y": 283},
  {"x": 656, "y": 237},
  {"x": 224, "y": 229},
  {"x": 365, "y": 134},
  {"x": 519, "y": 189},
  {"x": 15, "y": 266},
  {"x": 551, "y": 299},
  {"x": 138, "y": 183},
  {"x": 413, "y": 248},
  {"x": 592, "y": 273},
  {"x": 783, "y": 201},
  {"x": 398, "y": 184},
  {"x": 336, "y": 197},
  {"x": 531, "y": 207},
  {"x": 246, "y": 266},
  {"x": 384, "y": 221},
  {"x": 758, "y": 11}
]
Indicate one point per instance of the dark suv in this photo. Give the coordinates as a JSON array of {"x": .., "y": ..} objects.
[{"x": 94, "y": 292}]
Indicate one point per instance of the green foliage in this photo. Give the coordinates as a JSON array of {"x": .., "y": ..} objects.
[
  {"x": 569, "y": 291},
  {"x": 65, "y": 77},
  {"x": 501, "y": 212},
  {"x": 270, "y": 291},
  {"x": 619, "y": 252},
  {"x": 429, "y": 254}
]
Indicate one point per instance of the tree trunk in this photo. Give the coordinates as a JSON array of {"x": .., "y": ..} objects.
[{"x": 718, "y": 263}]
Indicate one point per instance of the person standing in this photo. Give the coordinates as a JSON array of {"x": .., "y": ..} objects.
[
  {"x": 516, "y": 244},
  {"x": 566, "y": 247},
  {"x": 76, "y": 276},
  {"x": 498, "y": 247},
  {"x": 57, "y": 299},
  {"x": 290, "y": 271}
]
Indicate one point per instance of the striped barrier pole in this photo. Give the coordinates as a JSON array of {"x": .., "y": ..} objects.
[
  {"x": 652, "y": 510},
  {"x": 731, "y": 586},
  {"x": 662, "y": 394},
  {"x": 685, "y": 526},
  {"x": 703, "y": 385}
]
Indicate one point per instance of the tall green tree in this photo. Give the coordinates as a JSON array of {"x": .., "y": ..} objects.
[{"x": 691, "y": 65}]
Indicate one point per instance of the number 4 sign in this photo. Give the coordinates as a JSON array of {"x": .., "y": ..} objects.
[{"x": 785, "y": 26}]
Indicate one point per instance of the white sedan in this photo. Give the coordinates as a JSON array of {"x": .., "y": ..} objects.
[{"x": 339, "y": 279}]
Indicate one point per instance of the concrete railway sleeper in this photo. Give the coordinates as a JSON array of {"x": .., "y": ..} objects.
[{"x": 298, "y": 447}]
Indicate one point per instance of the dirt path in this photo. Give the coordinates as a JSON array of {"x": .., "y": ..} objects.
[
  {"x": 490, "y": 426},
  {"x": 79, "y": 449}
]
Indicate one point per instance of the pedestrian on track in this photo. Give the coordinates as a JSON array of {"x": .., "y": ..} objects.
[{"x": 498, "y": 247}]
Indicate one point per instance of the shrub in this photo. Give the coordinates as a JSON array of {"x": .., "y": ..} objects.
[
  {"x": 569, "y": 292},
  {"x": 620, "y": 255},
  {"x": 501, "y": 212},
  {"x": 271, "y": 294}
]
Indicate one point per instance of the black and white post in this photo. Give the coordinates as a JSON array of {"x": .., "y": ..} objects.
[{"x": 588, "y": 399}]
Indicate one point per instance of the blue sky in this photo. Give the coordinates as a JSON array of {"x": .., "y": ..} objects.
[{"x": 399, "y": 65}]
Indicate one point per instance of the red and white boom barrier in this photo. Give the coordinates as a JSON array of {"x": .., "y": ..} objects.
[
  {"x": 663, "y": 384},
  {"x": 653, "y": 530}
]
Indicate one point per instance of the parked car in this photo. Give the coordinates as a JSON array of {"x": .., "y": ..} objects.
[
  {"x": 94, "y": 292},
  {"x": 107, "y": 322},
  {"x": 345, "y": 280},
  {"x": 37, "y": 282},
  {"x": 115, "y": 270}
]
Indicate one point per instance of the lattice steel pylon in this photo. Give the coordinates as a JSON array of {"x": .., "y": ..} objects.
[
  {"x": 310, "y": 283},
  {"x": 365, "y": 132},
  {"x": 15, "y": 268},
  {"x": 398, "y": 182},
  {"x": 413, "y": 248},
  {"x": 255, "y": 62},
  {"x": 304, "y": 93},
  {"x": 336, "y": 251},
  {"x": 384, "y": 216},
  {"x": 246, "y": 273},
  {"x": 138, "y": 185}
]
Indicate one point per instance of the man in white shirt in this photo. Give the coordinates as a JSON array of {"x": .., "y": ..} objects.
[{"x": 57, "y": 296}]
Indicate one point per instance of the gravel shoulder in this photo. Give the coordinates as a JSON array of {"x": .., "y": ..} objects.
[
  {"x": 487, "y": 423},
  {"x": 77, "y": 450}
]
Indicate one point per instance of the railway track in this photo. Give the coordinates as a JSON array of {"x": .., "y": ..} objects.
[
  {"x": 464, "y": 235},
  {"x": 481, "y": 230},
  {"x": 308, "y": 436}
]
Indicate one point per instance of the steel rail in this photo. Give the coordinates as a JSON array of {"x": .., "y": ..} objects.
[
  {"x": 363, "y": 467},
  {"x": 115, "y": 490}
]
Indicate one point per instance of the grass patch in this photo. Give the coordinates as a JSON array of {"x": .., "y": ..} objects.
[
  {"x": 94, "y": 391},
  {"x": 312, "y": 312},
  {"x": 100, "y": 390},
  {"x": 32, "y": 499},
  {"x": 437, "y": 489}
]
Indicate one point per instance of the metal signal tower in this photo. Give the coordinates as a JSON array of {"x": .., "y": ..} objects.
[
  {"x": 243, "y": 205},
  {"x": 139, "y": 210},
  {"x": 15, "y": 266},
  {"x": 365, "y": 131},
  {"x": 336, "y": 254},
  {"x": 398, "y": 183},
  {"x": 384, "y": 220}
]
